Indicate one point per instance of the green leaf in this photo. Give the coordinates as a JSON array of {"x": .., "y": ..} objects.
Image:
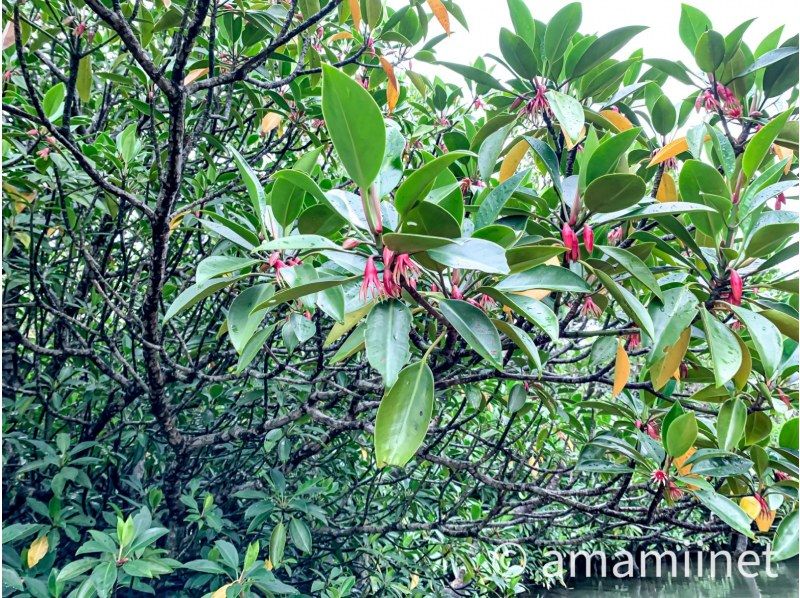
[
  {"x": 548, "y": 158},
  {"x": 766, "y": 337},
  {"x": 53, "y": 101},
  {"x": 355, "y": 125},
  {"x": 726, "y": 355},
  {"x": 388, "y": 326},
  {"x": 473, "y": 74},
  {"x": 628, "y": 302},
  {"x": 693, "y": 23},
  {"x": 731, "y": 420},
  {"x": 254, "y": 188},
  {"x": 414, "y": 189},
  {"x": 475, "y": 328},
  {"x": 603, "y": 48},
  {"x": 789, "y": 436},
  {"x": 551, "y": 278},
  {"x": 83, "y": 83},
  {"x": 527, "y": 256},
  {"x": 681, "y": 435},
  {"x": 277, "y": 543},
  {"x": 531, "y": 309},
  {"x": 568, "y": 111},
  {"x": 301, "y": 535},
  {"x": 301, "y": 242},
  {"x": 522, "y": 339},
  {"x": 759, "y": 145},
  {"x": 410, "y": 243},
  {"x": 604, "y": 159},
  {"x": 196, "y": 293},
  {"x": 494, "y": 202},
  {"x": 352, "y": 345},
  {"x": 404, "y": 415},
  {"x": 709, "y": 52},
  {"x": 671, "y": 316},
  {"x": 242, "y": 320},
  {"x": 560, "y": 30},
  {"x": 216, "y": 265},
  {"x": 518, "y": 54},
  {"x": 103, "y": 578},
  {"x": 523, "y": 21},
  {"x": 472, "y": 254},
  {"x": 302, "y": 290},
  {"x": 770, "y": 231},
  {"x": 725, "y": 509},
  {"x": 785, "y": 544},
  {"x": 75, "y": 568},
  {"x": 614, "y": 192},
  {"x": 637, "y": 268},
  {"x": 782, "y": 75},
  {"x": 767, "y": 59},
  {"x": 490, "y": 150}
]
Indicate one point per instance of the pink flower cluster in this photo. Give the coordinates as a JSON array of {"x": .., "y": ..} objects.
[
  {"x": 727, "y": 101},
  {"x": 396, "y": 270},
  {"x": 570, "y": 240}
]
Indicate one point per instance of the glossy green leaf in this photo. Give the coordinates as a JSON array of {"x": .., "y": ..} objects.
[
  {"x": 730, "y": 424},
  {"x": 628, "y": 302},
  {"x": 551, "y": 278},
  {"x": 386, "y": 337},
  {"x": 614, "y": 192},
  {"x": 766, "y": 338},
  {"x": 726, "y": 355},
  {"x": 475, "y": 328},
  {"x": 681, "y": 435},
  {"x": 568, "y": 111},
  {"x": 636, "y": 267},
  {"x": 725, "y": 509},
  {"x": 472, "y": 254}
]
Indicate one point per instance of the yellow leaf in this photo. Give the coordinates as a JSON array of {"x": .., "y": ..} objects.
[
  {"x": 740, "y": 377},
  {"x": 512, "y": 160},
  {"x": 355, "y": 10},
  {"x": 622, "y": 369},
  {"x": 783, "y": 153},
  {"x": 194, "y": 75},
  {"x": 666, "y": 189},
  {"x": 570, "y": 143},
  {"x": 220, "y": 592},
  {"x": 534, "y": 293},
  {"x": 176, "y": 221},
  {"x": 440, "y": 12},
  {"x": 414, "y": 581},
  {"x": 364, "y": 454},
  {"x": 270, "y": 121},
  {"x": 268, "y": 565},
  {"x": 37, "y": 550},
  {"x": 21, "y": 199},
  {"x": 392, "y": 91},
  {"x": 672, "y": 149},
  {"x": 618, "y": 120},
  {"x": 750, "y": 506},
  {"x": 764, "y": 520},
  {"x": 341, "y": 35},
  {"x": 663, "y": 369}
]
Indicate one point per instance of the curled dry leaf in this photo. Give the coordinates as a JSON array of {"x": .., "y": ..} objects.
[
  {"x": 194, "y": 75},
  {"x": 618, "y": 120},
  {"x": 270, "y": 121}
]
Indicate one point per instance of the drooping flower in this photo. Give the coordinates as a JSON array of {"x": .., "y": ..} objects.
[
  {"x": 588, "y": 238},
  {"x": 455, "y": 292},
  {"x": 780, "y": 201},
  {"x": 683, "y": 369},
  {"x": 780, "y": 475},
  {"x": 736, "y": 288},
  {"x": 706, "y": 100},
  {"x": 44, "y": 153},
  {"x": 634, "y": 340},
  {"x": 80, "y": 29},
  {"x": 652, "y": 430},
  {"x": 590, "y": 308},
  {"x": 486, "y": 302},
  {"x": 659, "y": 476},
  {"x": 371, "y": 285},
  {"x": 405, "y": 270},
  {"x": 477, "y": 103},
  {"x": 615, "y": 235},
  {"x": 673, "y": 491},
  {"x": 785, "y": 398},
  {"x": 388, "y": 256},
  {"x": 350, "y": 243}
]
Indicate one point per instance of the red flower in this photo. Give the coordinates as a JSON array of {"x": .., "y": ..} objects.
[
  {"x": 780, "y": 476},
  {"x": 570, "y": 242},
  {"x": 634, "y": 340},
  {"x": 706, "y": 100},
  {"x": 588, "y": 238},
  {"x": 406, "y": 270},
  {"x": 590, "y": 308},
  {"x": 350, "y": 243},
  {"x": 652, "y": 431},
  {"x": 371, "y": 284},
  {"x": 615, "y": 235},
  {"x": 780, "y": 201},
  {"x": 673, "y": 491},
  {"x": 785, "y": 398},
  {"x": 44, "y": 153},
  {"x": 485, "y": 301},
  {"x": 455, "y": 292},
  {"x": 80, "y": 29},
  {"x": 736, "y": 288},
  {"x": 659, "y": 476}
]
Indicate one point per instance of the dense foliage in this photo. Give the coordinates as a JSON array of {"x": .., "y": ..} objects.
[{"x": 281, "y": 314}]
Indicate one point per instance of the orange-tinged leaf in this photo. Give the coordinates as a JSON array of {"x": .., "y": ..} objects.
[
  {"x": 268, "y": 565},
  {"x": 680, "y": 462},
  {"x": 37, "y": 550},
  {"x": 618, "y": 120},
  {"x": 672, "y": 149},
  {"x": 666, "y": 367},
  {"x": 440, "y": 12},
  {"x": 355, "y": 11},
  {"x": 570, "y": 143},
  {"x": 270, "y": 121},
  {"x": 666, "y": 189},
  {"x": 176, "y": 221},
  {"x": 341, "y": 35},
  {"x": 194, "y": 75},
  {"x": 392, "y": 91},
  {"x": 783, "y": 153},
  {"x": 220, "y": 592},
  {"x": 8, "y": 35},
  {"x": 764, "y": 520},
  {"x": 512, "y": 160},
  {"x": 750, "y": 506},
  {"x": 622, "y": 369}
]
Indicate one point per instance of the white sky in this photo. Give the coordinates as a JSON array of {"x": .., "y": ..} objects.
[{"x": 486, "y": 17}]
